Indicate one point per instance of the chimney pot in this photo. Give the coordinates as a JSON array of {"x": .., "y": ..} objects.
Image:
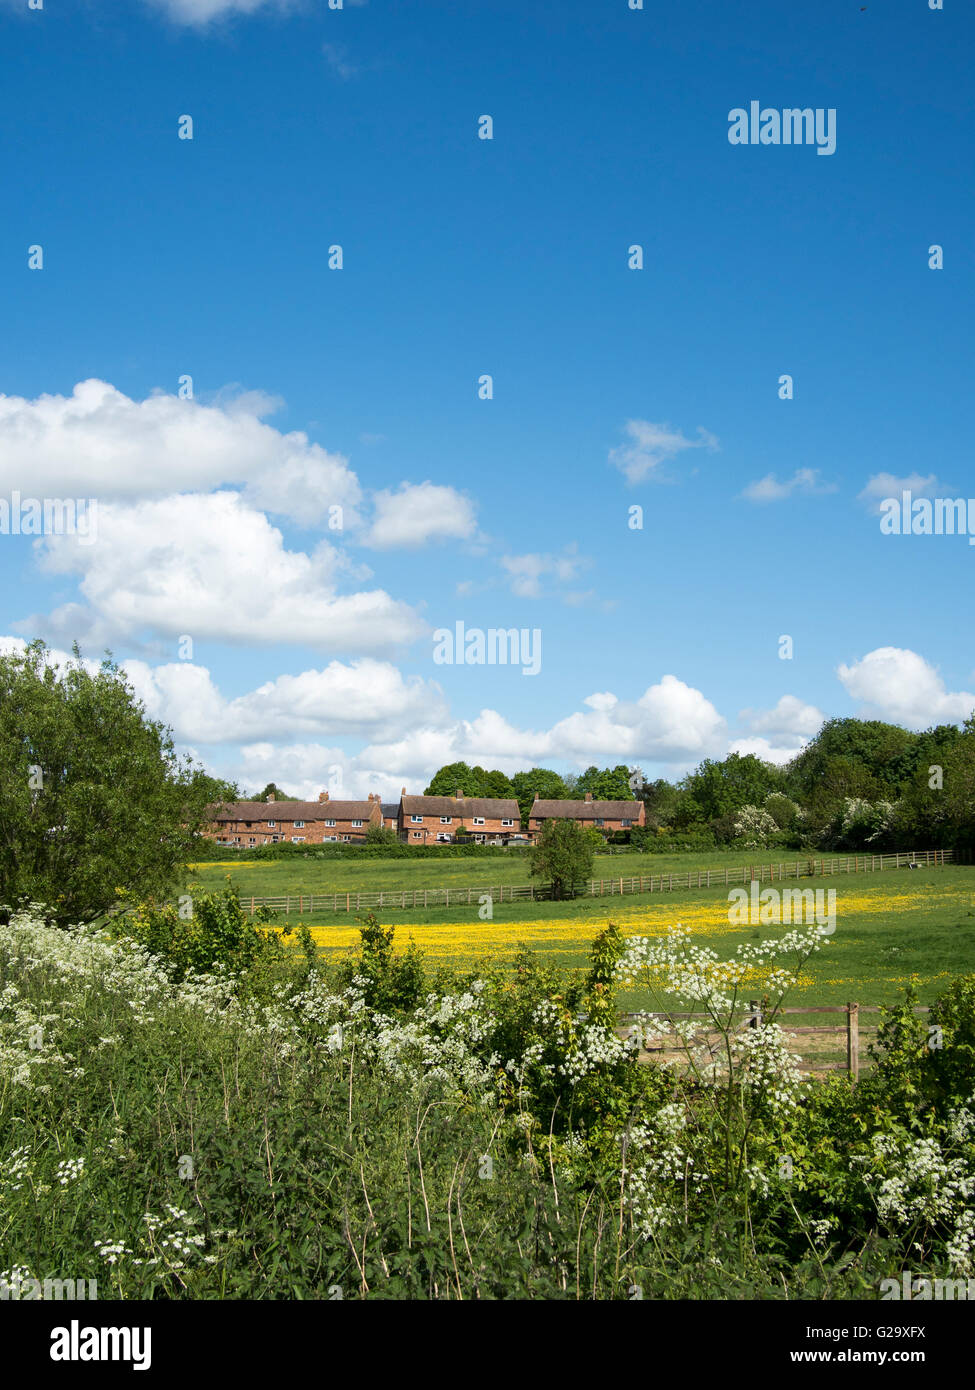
[
  {"x": 458, "y": 794},
  {"x": 589, "y": 796},
  {"x": 323, "y": 796},
  {"x": 402, "y": 791}
]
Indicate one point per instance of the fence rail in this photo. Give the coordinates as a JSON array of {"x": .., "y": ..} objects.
[
  {"x": 620, "y": 886},
  {"x": 850, "y": 1029}
]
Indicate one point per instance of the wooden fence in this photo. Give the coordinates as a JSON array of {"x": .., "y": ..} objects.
[
  {"x": 404, "y": 898},
  {"x": 850, "y": 1030}
]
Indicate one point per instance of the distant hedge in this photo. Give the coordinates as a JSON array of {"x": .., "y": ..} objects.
[{"x": 206, "y": 852}]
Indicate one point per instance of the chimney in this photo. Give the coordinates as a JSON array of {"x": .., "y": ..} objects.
[
  {"x": 458, "y": 794},
  {"x": 402, "y": 791},
  {"x": 589, "y": 796},
  {"x": 323, "y": 796}
]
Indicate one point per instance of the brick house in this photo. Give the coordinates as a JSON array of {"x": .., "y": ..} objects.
[
  {"x": 247, "y": 824},
  {"x": 428, "y": 819},
  {"x": 605, "y": 816}
]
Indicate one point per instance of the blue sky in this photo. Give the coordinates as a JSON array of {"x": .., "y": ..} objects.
[{"x": 312, "y": 649}]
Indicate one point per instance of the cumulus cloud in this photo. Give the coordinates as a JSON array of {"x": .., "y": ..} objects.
[
  {"x": 883, "y": 485},
  {"x": 897, "y": 684},
  {"x": 212, "y": 567},
  {"x": 418, "y": 513},
  {"x": 804, "y": 481},
  {"x": 365, "y": 698},
  {"x": 651, "y": 445},
  {"x": 97, "y": 442},
  {"x": 791, "y": 718}
]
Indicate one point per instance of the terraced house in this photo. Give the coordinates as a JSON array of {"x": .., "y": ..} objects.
[
  {"x": 431, "y": 819},
  {"x": 606, "y": 816},
  {"x": 247, "y": 824}
]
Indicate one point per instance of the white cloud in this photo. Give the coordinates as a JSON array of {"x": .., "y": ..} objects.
[
  {"x": 364, "y": 698},
  {"x": 897, "y": 684},
  {"x": 791, "y": 718},
  {"x": 805, "y": 481},
  {"x": 883, "y": 485},
  {"x": 418, "y": 513},
  {"x": 651, "y": 445},
  {"x": 776, "y": 735},
  {"x": 212, "y": 567},
  {"x": 100, "y": 443},
  {"x": 525, "y": 572}
]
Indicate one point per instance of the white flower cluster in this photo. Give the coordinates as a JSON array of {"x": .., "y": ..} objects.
[
  {"x": 69, "y": 1170},
  {"x": 915, "y": 1180},
  {"x": 755, "y": 824}
]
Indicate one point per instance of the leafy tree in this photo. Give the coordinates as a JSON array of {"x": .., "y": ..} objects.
[
  {"x": 94, "y": 801},
  {"x": 499, "y": 785},
  {"x": 606, "y": 783},
  {"x": 381, "y": 836},
  {"x": 876, "y": 749},
  {"x": 721, "y": 788},
  {"x": 541, "y": 782},
  {"x": 272, "y": 789},
  {"x": 446, "y": 781},
  {"x": 563, "y": 855}
]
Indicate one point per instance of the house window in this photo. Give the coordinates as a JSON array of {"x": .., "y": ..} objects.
[
  {"x": 346, "y": 837},
  {"x": 445, "y": 836},
  {"x": 270, "y": 822},
  {"x": 417, "y": 820},
  {"x": 507, "y": 822},
  {"x": 330, "y": 822},
  {"x": 446, "y": 820},
  {"x": 480, "y": 839},
  {"x": 299, "y": 825},
  {"x": 357, "y": 822},
  {"x": 297, "y": 839},
  {"x": 331, "y": 837},
  {"x": 478, "y": 820},
  {"x": 625, "y": 823},
  {"x": 416, "y": 834},
  {"x": 599, "y": 820},
  {"x": 252, "y": 841}
]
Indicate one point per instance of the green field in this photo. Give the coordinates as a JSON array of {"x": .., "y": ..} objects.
[
  {"x": 267, "y": 878},
  {"x": 890, "y": 927}
]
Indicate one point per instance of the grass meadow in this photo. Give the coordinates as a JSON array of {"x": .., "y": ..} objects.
[{"x": 891, "y": 927}]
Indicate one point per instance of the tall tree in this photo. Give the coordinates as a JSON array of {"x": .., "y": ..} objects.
[
  {"x": 93, "y": 798},
  {"x": 562, "y": 855}
]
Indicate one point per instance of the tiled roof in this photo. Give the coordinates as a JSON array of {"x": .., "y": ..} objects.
[{"x": 291, "y": 810}]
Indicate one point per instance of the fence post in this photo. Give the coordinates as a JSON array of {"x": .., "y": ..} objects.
[{"x": 853, "y": 1040}]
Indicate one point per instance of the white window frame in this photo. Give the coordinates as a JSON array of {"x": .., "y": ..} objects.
[
  {"x": 416, "y": 820},
  {"x": 299, "y": 825},
  {"x": 271, "y": 823},
  {"x": 446, "y": 820},
  {"x": 329, "y": 822},
  {"x": 355, "y": 823},
  {"x": 478, "y": 820},
  {"x": 507, "y": 822}
]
